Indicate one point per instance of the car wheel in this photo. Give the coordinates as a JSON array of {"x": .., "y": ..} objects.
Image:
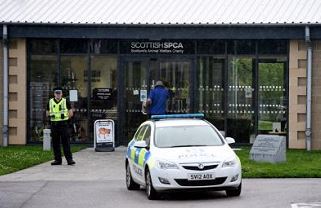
[
  {"x": 234, "y": 192},
  {"x": 130, "y": 183},
  {"x": 150, "y": 191}
]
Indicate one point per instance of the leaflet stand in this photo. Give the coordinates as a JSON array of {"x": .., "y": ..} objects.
[{"x": 104, "y": 135}]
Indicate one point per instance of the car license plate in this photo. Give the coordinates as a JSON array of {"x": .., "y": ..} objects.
[{"x": 201, "y": 176}]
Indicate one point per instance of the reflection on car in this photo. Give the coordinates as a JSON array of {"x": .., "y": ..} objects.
[{"x": 179, "y": 152}]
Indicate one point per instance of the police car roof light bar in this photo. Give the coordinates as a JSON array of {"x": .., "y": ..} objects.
[{"x": 187, "y": 115}]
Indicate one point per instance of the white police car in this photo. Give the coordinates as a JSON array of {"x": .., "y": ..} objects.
[{"x": 181, "y": 151}]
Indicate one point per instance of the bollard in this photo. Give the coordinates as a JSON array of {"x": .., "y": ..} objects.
[{"x": 46, "y": 139}]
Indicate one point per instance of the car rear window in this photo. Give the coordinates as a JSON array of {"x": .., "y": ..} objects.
[{"x": 183, "y": 136}]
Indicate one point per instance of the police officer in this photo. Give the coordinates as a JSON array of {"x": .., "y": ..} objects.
[{"x": 59, "y": 111}]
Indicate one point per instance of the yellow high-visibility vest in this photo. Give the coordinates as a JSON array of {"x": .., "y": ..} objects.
[{"x": 58, "y": 111}]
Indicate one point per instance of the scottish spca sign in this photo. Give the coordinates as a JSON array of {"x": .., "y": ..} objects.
[
  {"x": 176, "y": 47},
  {"x": 157, "y": 47}
]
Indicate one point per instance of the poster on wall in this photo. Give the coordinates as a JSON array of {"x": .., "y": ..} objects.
[
  {"x": 143, "y": 95},
  {"x": 248, "y": 92},
  {"x": 73, "y": 95}
]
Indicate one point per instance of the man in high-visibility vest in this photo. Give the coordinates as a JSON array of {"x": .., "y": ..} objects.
[{"x": 59, "y": 111}]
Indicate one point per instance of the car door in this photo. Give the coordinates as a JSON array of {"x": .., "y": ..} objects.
[
  {"x": 144, "y": 153},
  {"x": 134, "y": 154}
]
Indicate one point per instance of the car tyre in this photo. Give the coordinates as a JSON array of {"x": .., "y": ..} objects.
[
  {"x": 150, "y": 191},
  {"x": 130, "y": 183},
  {"x": 234, "y": 192}
]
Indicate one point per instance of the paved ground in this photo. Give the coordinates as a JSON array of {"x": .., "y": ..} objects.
[
  {"x": 90, "y": 166},
  {"x": 98, "y": 180}
]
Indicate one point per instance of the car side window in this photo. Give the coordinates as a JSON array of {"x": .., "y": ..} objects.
[
  {"x": 140, "y": 133},
  {"x": 147, "y": 135},
  {"x": 136, "y": 134}
]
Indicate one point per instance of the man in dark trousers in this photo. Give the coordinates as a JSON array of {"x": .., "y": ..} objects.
[
  {"x": 157, "y": 100},
  {"x": 59, "y": 110}
]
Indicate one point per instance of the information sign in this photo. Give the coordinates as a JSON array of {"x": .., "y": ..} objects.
[
  {"x": 269, "y": 148},
  {"x": 102, "y": 93},
  {"x": 104, "y": 133}
]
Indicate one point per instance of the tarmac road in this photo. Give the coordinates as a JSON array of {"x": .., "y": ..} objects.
[{"x": 98, "y": 180}]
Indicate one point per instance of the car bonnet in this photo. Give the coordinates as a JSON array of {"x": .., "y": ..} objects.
[{"x": 195, "y": 154}]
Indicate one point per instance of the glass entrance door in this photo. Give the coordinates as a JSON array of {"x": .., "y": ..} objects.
[
  {"x": 240, "y": 101},
  {"x": 272, "y": 99},
  {"x": 210, "y": 90},
  {"x": 140, "y": 76},
  {"x": 176, "y": 77},
  {"x": 135, "y": 87}
]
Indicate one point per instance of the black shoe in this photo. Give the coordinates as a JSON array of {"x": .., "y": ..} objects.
[
  {"x": 71, "y": 162},
  {"x": 56, "y": 162}
]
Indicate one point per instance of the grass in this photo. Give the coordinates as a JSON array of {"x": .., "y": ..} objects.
[
  {"x": 299, "y": 164},
  {"x": 14, "y": 158},
  {"x": 265, "y": 125}
]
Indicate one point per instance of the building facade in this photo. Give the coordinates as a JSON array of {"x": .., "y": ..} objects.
[{"x": 246, "y": 79}]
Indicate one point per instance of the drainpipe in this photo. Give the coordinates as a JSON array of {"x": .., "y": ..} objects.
[
  {"x": 308, "y": 131},
  {"x": 5, "y": 87}
]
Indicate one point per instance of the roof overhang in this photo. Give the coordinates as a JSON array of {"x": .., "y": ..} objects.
[{"x": 155, "y": 32}]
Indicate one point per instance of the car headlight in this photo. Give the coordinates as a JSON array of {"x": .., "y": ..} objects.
[
  {"x": 166, "y": 165},
  {"x": 229, "y": 163}
]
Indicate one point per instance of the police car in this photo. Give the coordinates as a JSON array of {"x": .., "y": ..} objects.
[{"x": 181, "y": 151}]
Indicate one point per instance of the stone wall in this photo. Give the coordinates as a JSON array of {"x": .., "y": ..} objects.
[
  {"x": 316, "y": 96},
  {"x": 17, "y": 91},
  {"x": 297, "y": 95}
]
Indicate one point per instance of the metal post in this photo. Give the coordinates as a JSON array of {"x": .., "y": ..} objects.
[
  {"x": 5, "y": 87},
  {"x": 308, "y": 131},
  {"x": 46, "y": 140}
]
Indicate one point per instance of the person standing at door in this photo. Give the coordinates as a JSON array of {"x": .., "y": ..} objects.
[
  {"x": 157, "y": 100},
  {"x": 59, "y": 111}
]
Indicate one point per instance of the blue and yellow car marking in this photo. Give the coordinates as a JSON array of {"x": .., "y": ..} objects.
[{"x": 138, "y": 155}]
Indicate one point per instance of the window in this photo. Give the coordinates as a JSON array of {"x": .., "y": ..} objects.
[
  {"x": 42, "y": 78},
  {"x": 103, "y": 46},
  {"x": 272, "y": 46},
  {"x": 182, "y": 136},
  {"x": 241, "y": 94},
  {"x": 147, "y": 135},
  {"x": 272, "y": 98},
  {"x": 140, "y": 133},
  {"x": 210, "y": 85},
  {"x": 241, "y": 47},
  {"x": 43, "y": 46},
  {"x": 73, "y": 46},
  {"x": 211, "y": 47}
]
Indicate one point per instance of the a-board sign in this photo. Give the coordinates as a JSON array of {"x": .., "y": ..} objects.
[
  {"x": 269, "y": 148},
  {"x": 104, "y": 135}
]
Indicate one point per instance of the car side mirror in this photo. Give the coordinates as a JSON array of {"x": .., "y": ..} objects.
[
  {"x": 229, "y": 140},
  {"x": 140, "y": 144}
]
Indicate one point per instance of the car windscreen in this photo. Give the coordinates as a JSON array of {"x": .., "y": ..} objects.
[{"x": 185, "y": 136}]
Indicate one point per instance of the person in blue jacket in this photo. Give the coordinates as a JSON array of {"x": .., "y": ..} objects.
[{"x": 157, "y": 100}]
